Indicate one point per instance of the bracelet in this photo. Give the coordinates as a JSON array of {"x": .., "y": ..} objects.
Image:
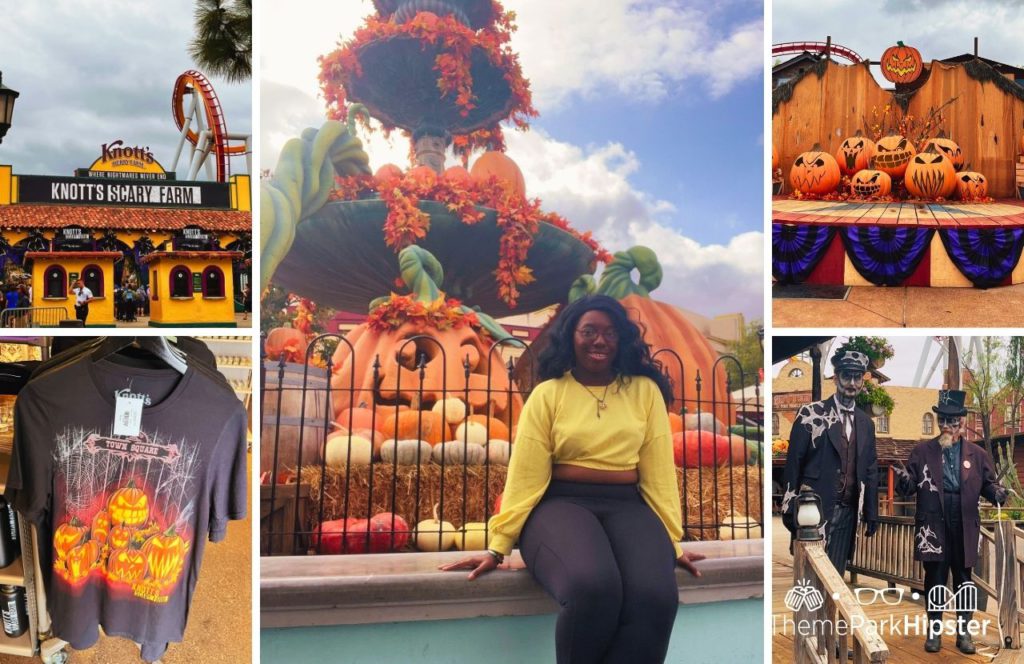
[{"x": 497, "y": 556}]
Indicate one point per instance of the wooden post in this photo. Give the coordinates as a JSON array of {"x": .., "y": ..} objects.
[
  {"x": 828, "y": 47},
  {"x": 1008, "y": 578},
  {"x": 975, "y": 47}
]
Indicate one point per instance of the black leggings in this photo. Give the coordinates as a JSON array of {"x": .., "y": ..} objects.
[{"x": 604, "y": 555}]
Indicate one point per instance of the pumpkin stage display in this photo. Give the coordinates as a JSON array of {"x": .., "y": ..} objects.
[
  {"x": 892, "y": 154},
  {"x": 901, "y": 63},
  {"x": 814, "y": 172},
  {"x": 972, "y": 186},
  {"x": 871, "y": 184},
  {"x": 854, "y": 154},
  {"x": 930, "y": 175},
  {"x": 423, "y": 327},
  {"x": 944, "y": 145}
]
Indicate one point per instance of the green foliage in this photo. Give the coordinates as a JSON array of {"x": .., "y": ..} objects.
[
  {"x": 222, "y": 45},
  {"x": 274, "y": 309},
  {"x": 748, "y": 351},
  {"x": 874, "y": 394},
  {"x": 876, "y": 348}
]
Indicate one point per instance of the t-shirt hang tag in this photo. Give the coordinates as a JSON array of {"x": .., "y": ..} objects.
[{"x": 128, "y": 415}]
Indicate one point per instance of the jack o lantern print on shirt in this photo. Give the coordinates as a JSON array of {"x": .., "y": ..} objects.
[{"x": 126, "y": 521}]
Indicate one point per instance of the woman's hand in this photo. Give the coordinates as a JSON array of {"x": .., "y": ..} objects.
[
  {"x": 687, "y": 560},
  {"x": 479, "y": 564}
]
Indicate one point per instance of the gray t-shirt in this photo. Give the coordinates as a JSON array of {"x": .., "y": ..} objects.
[{"x": 123, "y": 520}]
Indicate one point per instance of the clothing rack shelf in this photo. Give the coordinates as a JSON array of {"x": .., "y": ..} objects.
[{"x": 15, "y": 575}]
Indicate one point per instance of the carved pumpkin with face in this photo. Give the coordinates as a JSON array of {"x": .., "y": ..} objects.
[
  {"x": 854, "y": 154},
  {"x": 165, "y": 556},
  {"x": 120, "y": 536},
  {"x": 814, "y": 172},
  {"x": 948, "y": 148},
  {"x": 402, "y": 344},
  {"x": 129, "y": 506},
  {"x": 930, "y": 175},
  {"x": 901, "y": 63},
  {"x": 67, "y": 536},
  {"x": 892, "y": 154},
  {"x": 101, "y": 526},
  {"x": 127, "y": 565},
  {"x": 972, "y": 186},
  {"x": 871, "y": 184},
  {"x": 81, "y": 560}
]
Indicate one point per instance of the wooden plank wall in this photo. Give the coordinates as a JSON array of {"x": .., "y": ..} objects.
[{"x": 986, "y": 122}]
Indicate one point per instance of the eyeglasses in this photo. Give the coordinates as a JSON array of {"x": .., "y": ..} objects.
[
  {"x": 589, "y": 334},
  {"x": 951, "y": 421},
  {"x": 890, "y": 596}
]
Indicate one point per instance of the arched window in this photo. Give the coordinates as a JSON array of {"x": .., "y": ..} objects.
[
  {"x": 55, "y": 283},
  {"x": 928, "y": 424},
  {"x": 775, "y": 424},
  {"x": 92, "y": 275},
  {"x": 213, "y": 282},
  {"x": 181, "y": 282}
]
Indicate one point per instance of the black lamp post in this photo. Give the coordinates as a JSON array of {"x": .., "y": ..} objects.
[{"x": 7, "y": 97}]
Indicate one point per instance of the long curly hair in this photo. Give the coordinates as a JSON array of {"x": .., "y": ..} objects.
[{"x": 632, "y": 358}]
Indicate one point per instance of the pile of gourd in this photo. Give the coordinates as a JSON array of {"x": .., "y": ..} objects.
[
  {"x": 447, "y": 434},
  {"x": 935, "y": 171},
  {"x": 387, "y": 531}
]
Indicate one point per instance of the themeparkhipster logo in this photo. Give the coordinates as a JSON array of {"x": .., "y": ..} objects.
[{"x": 805, "y": 596}]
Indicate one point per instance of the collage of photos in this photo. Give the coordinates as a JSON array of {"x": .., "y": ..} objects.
[{"x": 528, "y": 391}]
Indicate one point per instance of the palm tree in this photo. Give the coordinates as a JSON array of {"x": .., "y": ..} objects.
[{"x": 223, "y": 40}]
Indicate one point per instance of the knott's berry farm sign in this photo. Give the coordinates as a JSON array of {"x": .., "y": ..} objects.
[{"x": 118, "y": 161}]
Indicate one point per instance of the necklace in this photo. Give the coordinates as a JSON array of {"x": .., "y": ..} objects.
[{"x": 601, "y": 403}]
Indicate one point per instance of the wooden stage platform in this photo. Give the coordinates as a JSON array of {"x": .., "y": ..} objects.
[
  {"x": 1002, "y": 213},
  {"x": 903, "y": 648}
]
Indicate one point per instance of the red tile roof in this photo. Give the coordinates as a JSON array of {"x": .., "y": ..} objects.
[
  {"x": 118, "y": 218},
  {"x": 200, "y": 255}
]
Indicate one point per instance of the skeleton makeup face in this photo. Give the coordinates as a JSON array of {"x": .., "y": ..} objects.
[
  {"x": 951, "y": 426},
  {"x": 848, "y": 386}
]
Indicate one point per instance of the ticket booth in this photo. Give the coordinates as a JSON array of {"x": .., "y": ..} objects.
[
  {"x": 54, "y": 273},
  {"x": 191, "y": 288}
]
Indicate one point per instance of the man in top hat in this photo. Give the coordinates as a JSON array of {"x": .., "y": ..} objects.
[
  {"x": 832, "y": 450},
  {"x": 948, "y": 475}
]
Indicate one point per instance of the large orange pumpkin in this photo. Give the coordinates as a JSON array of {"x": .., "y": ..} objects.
[
  {"x": 667, "y": 331},
  {"x": 361, "y": 417},
  {"x": 854, "y": 154},
  {"x": 948, "y": 147},
  {"x": 81, "y": 560},
  {"x": 868, "y": 183},
  {"x": 129, "y": 506},
  {"x": 972, "y": 186},
  {"x": 67, "y": 536},
  {"x": 389, "y": 172},
  {"x": 814, "y": 172},
  {"x": 443, "y": 352},
  {"x": 127, "y": 565},
  {"x": 901, "y": 63},
  {"x": 165, "y": 556},
  {"x": 286, "y": 341},
  {"x": 423, "y": 425},
  {"x": 892, "y": 154},
  {"x": 930, "y": 175},
  {"x": 499, "y": 165}
]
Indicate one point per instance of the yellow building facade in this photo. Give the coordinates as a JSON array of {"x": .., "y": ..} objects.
[
  {"x": 55, "y": 272},
  {"x": 191, "y": 288}
]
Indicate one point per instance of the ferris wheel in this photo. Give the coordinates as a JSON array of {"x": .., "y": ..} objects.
[{"x": 200, "y": 119}]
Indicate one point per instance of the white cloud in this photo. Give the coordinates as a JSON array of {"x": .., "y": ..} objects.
[{"x": 567, "y": 48}]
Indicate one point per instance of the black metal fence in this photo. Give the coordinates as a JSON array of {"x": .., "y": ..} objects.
[{"x": 317, "y": 500}]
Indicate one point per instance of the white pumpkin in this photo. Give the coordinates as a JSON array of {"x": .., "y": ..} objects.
[
  {"x": 498, "y": 451},
  {"x": 471, "y": 537},
  {"x": 453, "y": 410},
  {"x": 405, "y": 451},
  {"x": 456, "y": 451},
  {"x": 338, "y": 445},
  {"x": 745, "y": 528},
  {"x": 474, "y": 432},
  {"x": 434, "y": 534},
  {"x": 703, "y": 422}
]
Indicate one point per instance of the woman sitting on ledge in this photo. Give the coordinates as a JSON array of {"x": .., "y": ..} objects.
[{"x": 591, "y": 493}]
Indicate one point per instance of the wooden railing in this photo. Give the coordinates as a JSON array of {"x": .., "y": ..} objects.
[
  {"x": 889, "y": 555},
  {"x": 999, "y": 573},
  {"x": 838, "y": 623}
]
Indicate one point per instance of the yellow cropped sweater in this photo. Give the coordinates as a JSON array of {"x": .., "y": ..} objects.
[{"x": 559, "y": 424}]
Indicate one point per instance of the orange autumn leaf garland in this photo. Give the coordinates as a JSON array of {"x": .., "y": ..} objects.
[{"x": 518, "y": 218}]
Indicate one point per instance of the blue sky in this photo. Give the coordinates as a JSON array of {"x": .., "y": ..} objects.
[
  {"x": 651, "y": 126},
  {"x": 90, "y": 72}
]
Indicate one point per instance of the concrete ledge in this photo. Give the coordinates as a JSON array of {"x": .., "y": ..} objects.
[{"x": 299, "y": 591}]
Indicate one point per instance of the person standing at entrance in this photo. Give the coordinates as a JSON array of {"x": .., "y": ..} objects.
[
  {"x": 948, "y": 474},
  {"x": 82, "y": 298},
  {"x": 832, "y": 450}
]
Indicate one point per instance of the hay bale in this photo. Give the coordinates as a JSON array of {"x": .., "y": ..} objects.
[{"x": 739, "y": 492}]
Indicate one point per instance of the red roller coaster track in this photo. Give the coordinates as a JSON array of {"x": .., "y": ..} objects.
[
  {"x": 789, "y": 48},
  {"x": 197, "y": 81}
]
